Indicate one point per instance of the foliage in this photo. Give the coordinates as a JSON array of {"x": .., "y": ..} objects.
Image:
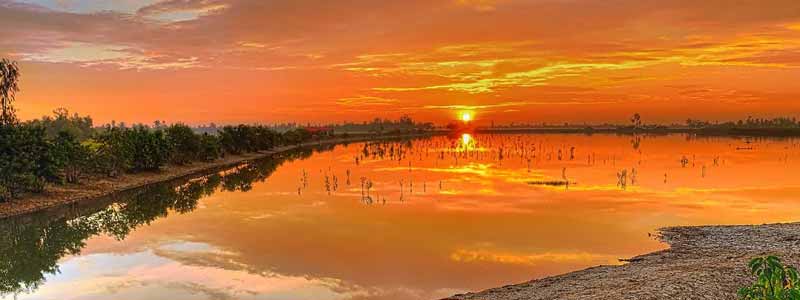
[
  {"x": 750, "y": 122},
  {"x": 9, "y": 78},
  {"x": 295, "y": 136},
  {"x": 149, "y": 148},
  {"x": 210, "y": 148},
  {"x": 25, "y": 160},
  {"x": 31, "y": 158},
  {"x": 61, "y": 121},
  {"x": 243, "y": 138},
  {"x": 70, "y": 156},
  {"x": 263, "y": 138},
  {"x": 184, "y": 143},
  {"x": 111, "y": 152},
  {"x": 378, "y": 125},
  {"x": 774, "y": 280},
  {"x": 236, "y": 139},
  {"x": 132, "y": 149}
]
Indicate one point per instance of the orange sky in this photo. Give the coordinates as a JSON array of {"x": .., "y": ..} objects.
[{"x": 231, "y": 61}]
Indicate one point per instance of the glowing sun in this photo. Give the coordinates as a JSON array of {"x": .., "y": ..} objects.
[{"x": 466, "y": 117}]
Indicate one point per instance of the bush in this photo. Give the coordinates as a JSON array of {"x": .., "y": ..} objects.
[
  {"x": 25, "y": 161},
  {"x": 112, "y": 152},
  {"x": 210, "y": 148},
  {"x": 264, "y": 138},
  {"x": 135, "y": 149},
  {"x": 774, "y": 281},
  {"x": 236, "y": 140},
  {"x": 70, "y": 156},
  {"x": 184, "y": 143},
  {"x": 61, "y": 121},
  {"x": 150, "y": 149},
  {"x": 295, "y": 136}
]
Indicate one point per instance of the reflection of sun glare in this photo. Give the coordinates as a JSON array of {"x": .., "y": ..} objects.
[
  {"x": 466, "y": 117},
  {"x": 466, "y": 138}
]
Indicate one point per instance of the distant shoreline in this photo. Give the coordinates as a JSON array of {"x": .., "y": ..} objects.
[
  {"x": 96, "y": 188},
  {"x": 703, "y": 262},
  {"x": 734, "y": 132}
]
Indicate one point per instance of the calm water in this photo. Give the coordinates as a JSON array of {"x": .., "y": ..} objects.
[{"x": 413, "y": 220}]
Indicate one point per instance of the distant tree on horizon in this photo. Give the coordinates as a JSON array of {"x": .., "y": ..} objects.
[{"x": 636, "y": 119}]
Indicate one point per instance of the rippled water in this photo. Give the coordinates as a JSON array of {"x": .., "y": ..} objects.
[{"x": 420, "y": 219}]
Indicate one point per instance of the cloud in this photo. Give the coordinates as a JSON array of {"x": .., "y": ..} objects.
[
  {"x": 181, "y": 10},
  {"x": 463, "y": 51},
  {"x": 480, "y": 5},
  {"x": 109, "y": 55},
  {"x": 475, "y": 107},
  {"x": 366, "y": 100}
]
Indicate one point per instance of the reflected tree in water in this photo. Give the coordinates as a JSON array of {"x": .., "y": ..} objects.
[{"x": 31, "y": 246}]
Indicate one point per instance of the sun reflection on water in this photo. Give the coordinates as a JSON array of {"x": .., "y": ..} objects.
[{"x": 466, "y": 139}]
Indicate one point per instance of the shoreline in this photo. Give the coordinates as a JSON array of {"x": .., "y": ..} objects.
[
  {"x": 96, "y": 188},
  {"x": 702, "y": 262}
]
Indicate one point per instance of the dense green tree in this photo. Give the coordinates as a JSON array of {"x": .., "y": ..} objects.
[
  {"x": 112, "y": 152},
  {"x": 70, "y": 156},
  {"x": 150, "y": 149},
  {"x": 61, "y": 121},
  {"x": 184, "y": 143},
  {"x": 296, "y": 136},
  {"x": 264, "y": 138},
  {"x": 243, "y": 138},
  {"x": 25, "y": 160},
  {"x": 239, "y": 139},
  {"x": 210, "y": 148}
]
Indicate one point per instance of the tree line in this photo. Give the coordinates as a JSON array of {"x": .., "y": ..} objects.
[
  {"x": 750, "y": 122},
  {"x": 65, "y": 148}
]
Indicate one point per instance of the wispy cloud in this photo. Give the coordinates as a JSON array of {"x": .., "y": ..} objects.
[
  {"x": 475, "y": 107},
  {"x": 366, "y": 101},
  {"x": 181, "y": 10}
]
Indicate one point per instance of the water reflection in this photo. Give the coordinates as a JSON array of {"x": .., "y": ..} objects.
[
  {"x": 466, "y": 139},
  {"x": 31, "y": 246},
  {"x": 398, "y": 219}
]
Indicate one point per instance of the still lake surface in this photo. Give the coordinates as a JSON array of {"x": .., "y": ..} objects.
[{"x": 420, "y": 219}]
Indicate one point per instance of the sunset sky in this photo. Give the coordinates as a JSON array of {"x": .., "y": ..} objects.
[{"x": 230, "y": 61}]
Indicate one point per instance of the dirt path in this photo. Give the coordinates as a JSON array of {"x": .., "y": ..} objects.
[
  {"x": 705, "y": 262},
  {"x": 99, "y": 187}
]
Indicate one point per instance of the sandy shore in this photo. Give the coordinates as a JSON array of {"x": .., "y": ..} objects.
[
  {"x": 704, "y": 262},
  {"x": 95, "y": 188}
]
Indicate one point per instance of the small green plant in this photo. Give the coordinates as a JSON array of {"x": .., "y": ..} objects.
[{"x": 774, "y": 280}]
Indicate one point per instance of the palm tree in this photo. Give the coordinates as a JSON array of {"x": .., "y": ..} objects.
[{"x": 9, "y": 76}]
